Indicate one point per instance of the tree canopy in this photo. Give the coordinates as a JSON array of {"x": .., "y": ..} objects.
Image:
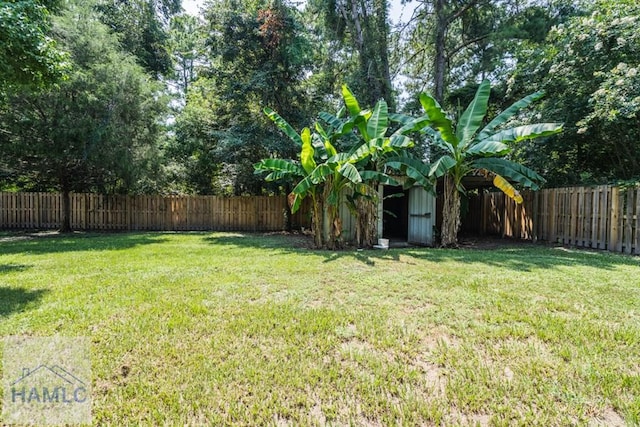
[
  {"x": 85, "y": 86},
  {"x": 94, "y": 131},
  {"x": 28, "y": 53}
]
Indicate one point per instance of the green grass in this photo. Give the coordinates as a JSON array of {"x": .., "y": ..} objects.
[{"x": 241, "y": 329}]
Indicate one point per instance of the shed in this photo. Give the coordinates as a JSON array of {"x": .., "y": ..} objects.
[{"x": 403, "y": 215}]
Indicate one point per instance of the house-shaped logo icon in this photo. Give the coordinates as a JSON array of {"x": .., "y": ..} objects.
[{"x": 48, "y": 385}]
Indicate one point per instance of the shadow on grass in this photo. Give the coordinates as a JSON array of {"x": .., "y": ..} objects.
[
  {"x": 518, "y": 257},
  {"x": 299, "y": 244},
  {"x": 17, "y": 299},
  {"x": 52, "y": 242},
  {"x": 9, "y": 268}
]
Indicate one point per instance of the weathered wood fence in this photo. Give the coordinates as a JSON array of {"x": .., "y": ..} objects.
[
  {"x": 602, "y": 217},
  {"x": 165, "y": 213}
]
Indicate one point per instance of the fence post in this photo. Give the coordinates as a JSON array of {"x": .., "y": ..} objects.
[
  {"x": 628, "y": 223},
  {"x": 613, "y": 225},
  {"x": 637, "y": 231}
]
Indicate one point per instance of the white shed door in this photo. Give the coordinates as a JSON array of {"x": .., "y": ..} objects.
[{"x": 421, "y": 216}]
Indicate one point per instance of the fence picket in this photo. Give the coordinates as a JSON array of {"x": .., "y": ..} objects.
[
  {"x": 602, "y": 217},
  {"x": 143, "y": 212}
]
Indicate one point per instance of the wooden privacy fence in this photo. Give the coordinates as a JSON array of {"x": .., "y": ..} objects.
[
  {"x": 163, "y": 213},
  {"x": 602, "y": 217}
]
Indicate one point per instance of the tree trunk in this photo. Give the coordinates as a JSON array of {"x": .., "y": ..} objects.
[
  {"x": 65, "y": 227},
  {"x": 317, "y": 223},
  {"x": 450, "y": 214},
  {"x": 330, "y": 221},
  {"x": 382, "y": 47},
  {"x": 367, "y": 208},
  {"x": 331, "y": 226},
  {"x": 440, "y": 56},
  {"x": 369, "y": 28}
]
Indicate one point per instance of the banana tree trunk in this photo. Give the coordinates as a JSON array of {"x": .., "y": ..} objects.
[
  {"x": 317, "y": 222},
  {"x": 367, "y": 208},
  {"x": 450, "y": 213},
  {"x": 332, "y": 226},
  {"x": 331, "y": 223}
]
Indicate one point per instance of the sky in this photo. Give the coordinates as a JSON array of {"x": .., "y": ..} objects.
[{"x": 397, "y": 13}]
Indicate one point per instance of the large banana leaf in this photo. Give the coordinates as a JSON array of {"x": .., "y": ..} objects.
[
  {"x": 488, "y": 148},
  {"x": 320, "y": 130},
  {"x": 379, "y": 120},
  {"x": 283, "y": 125},
  {"x": 303, "y": 186},
  {"x": 379, "y": 177},
  {"x": 472, "y": 117},
  {"x": 413, "y": 168},
  {"x": 436, "y": 138},
  {"x": 307, "y": 152},
  {"x": 338, "y": 158},
  {"x": 441, "y": 166},
  {"x": 331, "y": 120},
  {"x": 276, "y": 175},
  {"x": 317, "y": 176},
  {"x": 501, "y": 118},
  {"x": 362, "y": 151},
  {"x": 320, "y": 173},
  {"x": 403, "y": 119},
  {"x": 325, "y": 141},
  {"x": 278, "y": 165},
  {"x": 350, "y": 172},
  {"x": 319, "y": 146},
  {"x": 297, "y": 201},
  {"x": 400, "y": 141},
  {"x": 399, "y": 162},
  {"x": 340, "y": 127},
  {"x": 439, "y": 119},
  {"x": 415, "y": 124},
  {"x": 510, "y": 170},
  {"x": 520, "y": 133},
  {"x": 350, "y": 101}
]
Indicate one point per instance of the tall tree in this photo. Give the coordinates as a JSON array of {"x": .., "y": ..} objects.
[
  {"x": 28, "y": 55},
  {"x": 451, "y": 45},
  {"x": 95, "y": 131},
  {"x": 361, "y": 27},
  {"x": 143, "y": 29},
  {"x": 257, "y": 57},
  {"x": 186, "y": 44}
]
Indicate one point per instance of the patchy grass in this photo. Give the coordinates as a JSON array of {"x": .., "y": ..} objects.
[{"x": 239, "y": 329}]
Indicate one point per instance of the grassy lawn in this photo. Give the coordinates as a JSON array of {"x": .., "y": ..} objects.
[{"x": 220, "y": 328}]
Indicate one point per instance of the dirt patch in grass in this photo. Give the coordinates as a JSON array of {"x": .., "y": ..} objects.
[
  {"x": 609, "y": 417},
  {"x": 492, "y": 242}
]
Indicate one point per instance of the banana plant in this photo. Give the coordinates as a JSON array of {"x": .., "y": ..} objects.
[
  {"x": 325, "y": 173},
  {"x": 321, "y": 181},
  {"x": 471, "y": 149},
  {"x": 297, "y": 171},
  {"x": 372, "y": 155}
]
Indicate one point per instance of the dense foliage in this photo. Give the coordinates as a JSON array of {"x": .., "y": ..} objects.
[
  {"x": 28, "y": 55},
  {"x": 95, "y": 131},
  {"x": 218, "y": 71},
  {"x": 591, "y": 65}
]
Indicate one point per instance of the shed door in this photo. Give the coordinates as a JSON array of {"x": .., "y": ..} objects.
[{"x": 421, "y": 216}]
